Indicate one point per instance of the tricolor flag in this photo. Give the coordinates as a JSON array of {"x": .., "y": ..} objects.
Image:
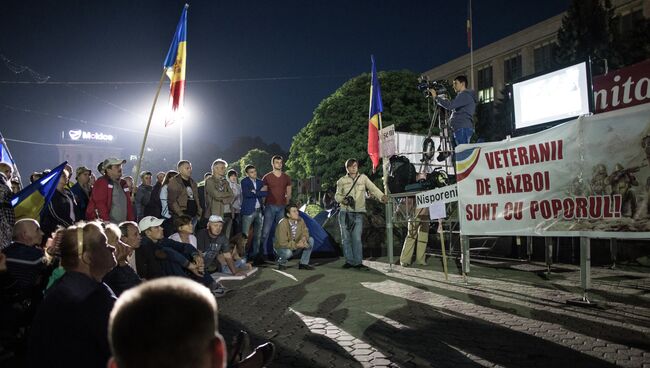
[
  {"x": 5, "y": 156},
  {"x": 29, "y": 202},
  {"x": 469, "y": 24},
  {"x": 175, "y": 64},
  {"x": 376, "y": 109}
]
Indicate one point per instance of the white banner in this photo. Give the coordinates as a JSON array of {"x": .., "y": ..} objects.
[
  {"x": 387, "y": 137},
  {"x": 587, "y": 177},
  {"x": 439, "y": 195}
]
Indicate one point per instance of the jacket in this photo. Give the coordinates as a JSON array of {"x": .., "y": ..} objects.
[
  {"x": 217, "y": 194},
  {"x": 142, "y": 197},
  {"x": 463, "y": 107},
  {"x": 81, "y": 197},
  {"x": 251, "y": 192},
  {"x": 364, "y": 184},
  {"x": 101, "y": 198},
  {"x": 164, "y": 258},
  {"x": 283, "y": 238},
  {"x": 177, "y": 196},
  {"x": 57, "y": 212}
]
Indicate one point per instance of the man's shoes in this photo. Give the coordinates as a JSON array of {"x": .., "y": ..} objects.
[
  {"x": 347, "y": 265},
  {"x": 305, "y": 267},
  {"x": 362, "y": 267},
  {"x": 282, "y": 267}
]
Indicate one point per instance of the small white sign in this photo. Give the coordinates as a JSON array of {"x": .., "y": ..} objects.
[
  {"x": 439, "y": 195},
  {"x": 388, "y": 144},
  {"x": 437, "y": 211},
  {"x": 82, "y": 135}
]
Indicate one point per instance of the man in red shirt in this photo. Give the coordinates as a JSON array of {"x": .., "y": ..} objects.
[
  {"x": 110, "y": 199},
  {"x": 278, "y": 185}
]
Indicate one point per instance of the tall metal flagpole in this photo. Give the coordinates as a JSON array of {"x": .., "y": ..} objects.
[
  {"x": 389, "y": 203},
  {"x": 181, "y": 143},
  {"x": 146, "y": 131},
  {"x": 471, "y": 47}
]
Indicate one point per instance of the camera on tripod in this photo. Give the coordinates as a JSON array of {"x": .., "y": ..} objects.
[{"x": 424, "y": 85}]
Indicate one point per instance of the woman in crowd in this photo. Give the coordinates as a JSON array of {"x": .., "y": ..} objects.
[
  {"x": 166, "y": 212},
  {"x": 62, "y": 210},
  {"x": 71, "y": 326},
  {"x": 184, "y": 230}
]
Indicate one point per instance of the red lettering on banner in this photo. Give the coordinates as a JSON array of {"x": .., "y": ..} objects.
[
  {"x": 481, "y": 212},
  {"x": 518, "y": 156},
  {"x": 593, "y": 207}
]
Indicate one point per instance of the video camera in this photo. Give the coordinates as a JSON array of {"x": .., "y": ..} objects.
[{"x": 424, "y": 85}]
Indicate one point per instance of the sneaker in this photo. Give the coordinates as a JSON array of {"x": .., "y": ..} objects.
[
  {"x": 362, "y": 267},
  {"x": 305, "y": 267},
  {"x": 219, "y": 292},
  {"x": 347, "y": 265},
  {"x": 282, "y": 267}
]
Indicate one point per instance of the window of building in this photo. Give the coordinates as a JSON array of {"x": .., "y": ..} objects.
[
  {"x": 512, "y": 69},
  {"x": 485, "y": 85},
  {"x": 628, "y": 22},
  {"x": 543, "y": 56}
]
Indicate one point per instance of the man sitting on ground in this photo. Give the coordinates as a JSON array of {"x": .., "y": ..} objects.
[
  {"x": 122, "y": 276},
  {"x": 292, "y": 235},
  {"x": 214, "y": 245}
]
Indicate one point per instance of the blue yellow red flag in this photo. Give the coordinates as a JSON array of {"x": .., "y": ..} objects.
[
  {"x": 374, "y": 113},
  {"x": 5, "y": 156},
  {"x": 29, "y": 202},
  {"x": 175, "y": 64}
]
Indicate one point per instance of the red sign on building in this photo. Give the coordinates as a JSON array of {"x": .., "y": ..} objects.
[{"x": 622, "y": 88}]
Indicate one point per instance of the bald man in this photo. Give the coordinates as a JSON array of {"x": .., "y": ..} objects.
[{"x": 25, "y": 258}]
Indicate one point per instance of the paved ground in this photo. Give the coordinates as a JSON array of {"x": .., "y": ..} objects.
[{"x": 508, "y": 314}]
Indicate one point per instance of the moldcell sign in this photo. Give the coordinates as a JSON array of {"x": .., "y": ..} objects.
[
  {"x": 622, "y": 88},
  {"x": 82, "y": 135}
]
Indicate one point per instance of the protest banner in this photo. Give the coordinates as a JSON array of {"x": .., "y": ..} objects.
[{"x": 587, "y": 177}]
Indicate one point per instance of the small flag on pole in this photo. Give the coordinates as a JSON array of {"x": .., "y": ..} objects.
[
  {"x": 29, "y": 202},
  {"x": 175, "y": 64},
  {"x": 376, "y": 109},
  {"x": 5, "y": 156},
  {"x": 469, "y": 24}
]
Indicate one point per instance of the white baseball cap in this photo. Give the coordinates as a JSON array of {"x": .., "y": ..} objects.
[
  {"x": 149, "y": 222},
  {"x": 216, "y": 218}
]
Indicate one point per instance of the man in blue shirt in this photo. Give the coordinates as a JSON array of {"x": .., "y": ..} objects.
[{"x": 462, "y": 107}]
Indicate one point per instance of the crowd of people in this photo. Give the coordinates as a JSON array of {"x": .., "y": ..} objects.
[{"x": 100, "y": 238}]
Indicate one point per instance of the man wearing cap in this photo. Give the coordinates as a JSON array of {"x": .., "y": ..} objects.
[
  {"x": 158, "y": 257},
  {"x": 143, "y": 195},
  {"x": 213, "y": 243},
  {"x": 81, "y": 189},
  {"x": 110, "y": 198}
]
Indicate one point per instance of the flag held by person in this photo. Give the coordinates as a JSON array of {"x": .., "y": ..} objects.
[
  {"x": 29, "y": 202},
  {"x": 374, "y": 116},
  {"x": 175, "y": 64}
]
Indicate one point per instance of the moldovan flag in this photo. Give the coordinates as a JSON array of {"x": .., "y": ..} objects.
[
  {"x": 29, "y": 202},
  {"x": 175, "y": 64},
  {"x": 376, "y": 109}
]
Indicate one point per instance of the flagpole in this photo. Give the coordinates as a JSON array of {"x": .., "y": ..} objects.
[
  {"x": 389, "y": 203},
  {"x": 181, "y": 134},
  {"x": 146, "y": 131},
  {"x": 471, "y": 47}
]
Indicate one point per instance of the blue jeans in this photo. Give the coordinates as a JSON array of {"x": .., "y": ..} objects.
[
  {"x": 351, "y": 224},
  {"x": 284, "y": 254},
  {"x": 254, "y": 219},
  {"x": 462, "y": 136},
  {"x": 272, "y": 215}
]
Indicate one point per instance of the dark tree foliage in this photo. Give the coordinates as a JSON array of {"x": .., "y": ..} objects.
[{"x": 339, "y": 127}]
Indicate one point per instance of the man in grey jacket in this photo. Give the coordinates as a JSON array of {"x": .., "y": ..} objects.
[
  {"x": 143, "y": 194},
  {"x": 463, "y": 107}
]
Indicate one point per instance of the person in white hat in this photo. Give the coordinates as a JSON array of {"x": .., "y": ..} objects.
[
  {"x": 110, "y": 199},
  {"x": 159, "y": 257}
]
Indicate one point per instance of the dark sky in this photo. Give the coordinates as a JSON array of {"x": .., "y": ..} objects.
[{"x": 323, "y": 43}]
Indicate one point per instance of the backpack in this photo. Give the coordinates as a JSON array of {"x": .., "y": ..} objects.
[
  {"x": 401, "y": 172},
  {"x": 154, "y": 207}
]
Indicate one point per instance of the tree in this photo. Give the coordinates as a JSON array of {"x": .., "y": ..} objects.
[
  {"x": 256, "y": 157},
  {"x": 588, "y": 29},
  {"x": 339, "y": 127}
]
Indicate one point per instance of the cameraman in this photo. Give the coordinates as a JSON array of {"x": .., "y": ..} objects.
[
  {"x": 462, "y": 107},
  {"x": 351, "y": 194}
]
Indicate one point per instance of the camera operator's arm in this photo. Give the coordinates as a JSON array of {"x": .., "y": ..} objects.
[{"x": 461, "y": 100}]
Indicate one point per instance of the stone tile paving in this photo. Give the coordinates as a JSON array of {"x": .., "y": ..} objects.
[{"x": 412, "y": 317}]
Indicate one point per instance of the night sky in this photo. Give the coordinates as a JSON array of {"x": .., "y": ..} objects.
[{"x": 273, "y": 61}]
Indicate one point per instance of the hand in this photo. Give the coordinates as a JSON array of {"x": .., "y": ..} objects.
[
  {"x": 199, "y": 261},
  {"x": 433, "y": 93},
  {"x": 240, "y": 273},
  {"x": 3, "y": 262},
  {"x": 384, "y": 199},
  {"x": 194, "y": 268}
]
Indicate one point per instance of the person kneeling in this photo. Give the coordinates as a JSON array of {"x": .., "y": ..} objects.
[{"x": 292, "y": 235}]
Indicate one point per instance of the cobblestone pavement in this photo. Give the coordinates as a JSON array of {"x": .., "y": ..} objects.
[{"x": 507, "y": 314}]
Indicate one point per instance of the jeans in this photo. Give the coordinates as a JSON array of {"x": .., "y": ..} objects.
[
  {"x": 351, "y": 224},
  {"x": 272, "y": 215},
  {"x": 462, "y": 136},
  {"x": 254, "y": 219},
  {"x": 284, "y": 254}
]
